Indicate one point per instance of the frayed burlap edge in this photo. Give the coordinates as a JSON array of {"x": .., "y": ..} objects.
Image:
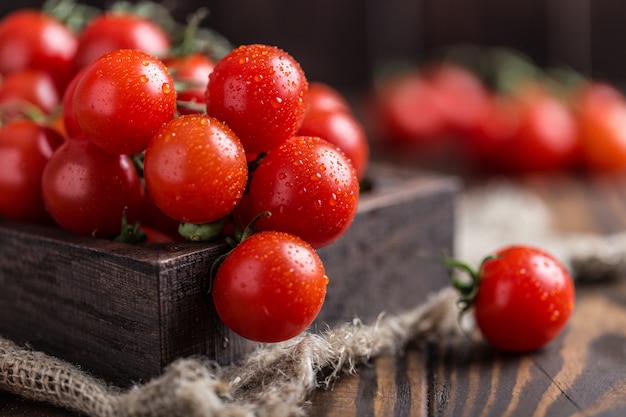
[{"x": 275, "y": 380}]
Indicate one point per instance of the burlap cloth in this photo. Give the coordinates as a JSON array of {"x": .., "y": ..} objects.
[{"x": 277, "y": 378}]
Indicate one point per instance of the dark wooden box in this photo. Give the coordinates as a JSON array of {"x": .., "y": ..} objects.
[{"x": 123, "y": 312}]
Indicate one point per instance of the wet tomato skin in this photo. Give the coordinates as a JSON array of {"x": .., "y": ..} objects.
[
  {"x": 270, "y": 288},
  {"x": 525, "y": 298},
  {"x": 260, "y": 91},
  {"x": 195, "y": 169},
  {"x": 122, "y": 99},
  {"x": 310, "y": 188},
  {"x": 341, "y": 128}
]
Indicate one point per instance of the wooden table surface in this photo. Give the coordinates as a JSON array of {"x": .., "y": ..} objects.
[{"x": 582, "y": 373}]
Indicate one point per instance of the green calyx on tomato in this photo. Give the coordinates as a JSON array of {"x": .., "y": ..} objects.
[
  {"x": 468, "y": 288},
  {"x": 238, "y": 236},
  {"x": 202, "y": 232}
]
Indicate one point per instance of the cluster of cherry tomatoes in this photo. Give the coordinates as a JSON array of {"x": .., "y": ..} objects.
[
  {"x": 108, "y": 127},
  {"x": 505, "y": 115}
]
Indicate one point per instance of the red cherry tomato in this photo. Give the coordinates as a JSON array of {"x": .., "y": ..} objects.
[
  {"x": 310, "y": 188},
  {"x": 122, "y": 99},
  {"x": 323, "y": 97},
  {"x": 260, "y": 91},
  {"x": 489, "y": 142},
  {"x": 406, "y": 112},
  {"x": 87, "y": 190},
  {"x": 25, "y": 148},
  {"x": 30, "y": 39},
  {"x": 192, "y": 71},
  {"x": 524, "y": 300},
  {"x": 70, "y": 126},
  {"x": 25, "y": 90},
  {"x": 547, "y": 137},
  {"x": 342, "y": 129},
  {"x": 270, "y": 288},
  {"x": 601, "y": 115},
  {"x": 195, "y": 169},
  {"x": 460, "y": 95},
  {"x": 112, "y": 31}
]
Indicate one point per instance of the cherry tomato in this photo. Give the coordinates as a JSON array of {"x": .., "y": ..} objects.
[
  {"x": 489, "y": 142},
  {"x": 71, "y": 127},
  {"x": 30, "y": 39},
  {"x": 406, "y": 112},
  {"x": 112, "y": 31},
  {"x": 460, "y": 95},
  {"x": 25, "y": 148},
  {"x": 524, "y": 300},
  {"x": 601, "y": 116},
  {"x": 310, "y": 188},
  {"x": 323, "y": 97},
  {"x": 86, "y": 190},
  {"x": 547, "y": 136},
  {"x": 195, "y": 169},
  {"x": 260, "y": 91},
  {"x": 26, "y": 90},
  {"x": 270, "y": 288},
  {"x": 122, "y": 99},
  {"x": 192, "y": 71},
  {"x": 341, "y": 128}
]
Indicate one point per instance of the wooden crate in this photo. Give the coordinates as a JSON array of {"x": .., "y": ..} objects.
[{"x": 123, "y": 312}]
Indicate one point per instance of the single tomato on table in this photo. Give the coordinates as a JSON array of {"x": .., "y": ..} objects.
[
  {"x": 522, "y": 297},
  {"x": 270, "y": 288}
]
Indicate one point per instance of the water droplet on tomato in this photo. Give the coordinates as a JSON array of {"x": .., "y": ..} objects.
[
  {"x": 167, "y": 88},
  {"x": 277, "y": 102},
  {"x": 145, "y": 63},
  {"x": 143, "y": 79},
  {"x": 282, "y": 176}
]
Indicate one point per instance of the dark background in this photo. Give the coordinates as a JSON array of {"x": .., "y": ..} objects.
[{"x": 343, "y": 42}]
